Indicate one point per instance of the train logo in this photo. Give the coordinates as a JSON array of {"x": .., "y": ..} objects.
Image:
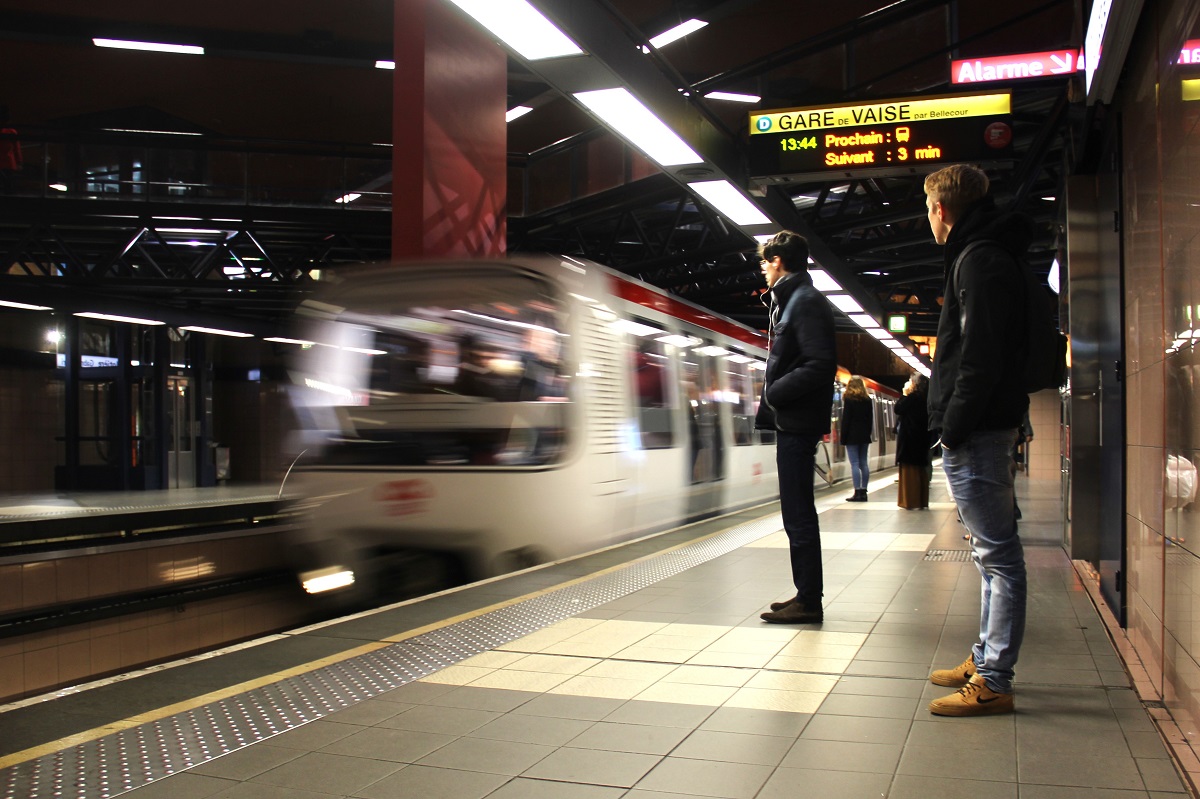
[{"x": 405, "y": 497}]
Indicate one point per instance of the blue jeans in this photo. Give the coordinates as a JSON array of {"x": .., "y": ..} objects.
[
  {"x": 980, "y": 472},
  {"x": 859, "y": 471},
  {"x": 795, "y": 455}
]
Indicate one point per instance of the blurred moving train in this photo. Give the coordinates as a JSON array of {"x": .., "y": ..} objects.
[{"x": 511, "y": 413}]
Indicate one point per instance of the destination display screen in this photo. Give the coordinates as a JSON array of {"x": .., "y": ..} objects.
[{"x": 899, "y": 136}]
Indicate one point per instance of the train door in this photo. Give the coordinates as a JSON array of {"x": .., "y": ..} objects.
[
  {"x": 706, "y": 443},
  {"x": 181, "y": 456}
]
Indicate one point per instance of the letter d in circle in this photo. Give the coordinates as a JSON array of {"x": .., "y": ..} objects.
[{"x": 763, "y": 123}]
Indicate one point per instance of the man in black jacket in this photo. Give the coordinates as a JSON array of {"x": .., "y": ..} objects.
[
  {"x": 796, "y": 402},
  {"x": 976, "y": 402}
]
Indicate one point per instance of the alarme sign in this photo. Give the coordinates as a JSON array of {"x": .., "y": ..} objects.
[{"x": 1014, "y": 67}]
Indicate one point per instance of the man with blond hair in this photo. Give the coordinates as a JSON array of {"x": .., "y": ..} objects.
[{"x": 976, "y": 404}]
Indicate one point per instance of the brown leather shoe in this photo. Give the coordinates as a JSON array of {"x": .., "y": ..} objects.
[
  {"x": 795, "y": 613},
  {"x": 781, "y": 605},
  {"x": 959, "y": 675},
  {"x": 973, "y": 699}
]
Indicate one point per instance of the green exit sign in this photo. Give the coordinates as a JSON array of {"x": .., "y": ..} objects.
[{"x": 897, "y": 323}]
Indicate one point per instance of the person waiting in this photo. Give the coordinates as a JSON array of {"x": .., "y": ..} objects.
[{"x": 857, "y": 425}]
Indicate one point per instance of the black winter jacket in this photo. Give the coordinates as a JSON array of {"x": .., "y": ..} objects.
[
  {"x": 912, "y": 437},
  {"x": 858, "y": 421},
  {"x": 976, "y": 381},
  {"x": 798, "y": 388}
]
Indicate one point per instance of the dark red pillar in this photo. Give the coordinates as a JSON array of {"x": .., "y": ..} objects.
[{"x": 449, "y": 160}]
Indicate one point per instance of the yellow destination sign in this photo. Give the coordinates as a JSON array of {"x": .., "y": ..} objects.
[{"x": 915, "y": 109}]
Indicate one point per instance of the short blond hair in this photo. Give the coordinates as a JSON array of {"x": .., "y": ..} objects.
[{"x": 957, "y": 187}]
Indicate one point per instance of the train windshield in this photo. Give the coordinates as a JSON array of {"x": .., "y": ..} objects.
[{"x": 431, "y": 371}]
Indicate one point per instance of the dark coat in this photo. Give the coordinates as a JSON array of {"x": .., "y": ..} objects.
[
  {"x": 976, "y": 381},
  {"x": 798, "y": 382},
  {"x": 857, "y": 422},
  {"x": 912, "y": 437}
]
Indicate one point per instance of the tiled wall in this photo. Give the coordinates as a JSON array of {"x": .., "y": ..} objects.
[
  {"x": 1161, "y": 229},
  {"x": 1044, "y": 453},
  {"x": 39, "y": 662},
  {"x": 31, "y": 400}
]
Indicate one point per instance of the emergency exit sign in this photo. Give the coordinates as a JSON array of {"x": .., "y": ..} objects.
[
  {"x": 1014, "y": 67},
  {"x": 897, "y": 323}
]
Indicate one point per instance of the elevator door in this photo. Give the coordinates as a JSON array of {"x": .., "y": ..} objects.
[{"x": 181, "y": 456}]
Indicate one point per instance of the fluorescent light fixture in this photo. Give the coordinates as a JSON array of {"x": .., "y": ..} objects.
[
  {"x": 734, "y": 97},
  {"x": 216, "y": 331},
  {"x": 385, "y": 65},
  {"x": 892, "y": 343},
  {"x": 711, "y": 349},
  {"x": 763, "y": 238},
  {"x": 863, "y": 320},
  {"x": 516, "y": 112},
  {"x": 725, "y": 197},
  {"x": 320, "y": 580},
  {"x": 521, "y": 27},
  {"x": 738, "y": 358},
  {"x": 58, "y": 186},
  {"x": 678, "y": 32},
  {"x": 155, "y": 47},
  {"x": 25, "y": 306},
  {"x": 155, "y": 132},
  {"x": 822, "y": 281},
  {"x": 1053, "y": 278},
  {"x": 365, "y": 350},
  {"x": 107, "y": 317},
  {"x": 281, "y": 340},
  {"x": 621, "y": 111},
  {"x": 879, "y": 333},
  {"x": 635, "y": 328},
  {"x": 845, "y": 303},
  {"x": 678, "y": 340},
  {"x": 348, "y": 198}
]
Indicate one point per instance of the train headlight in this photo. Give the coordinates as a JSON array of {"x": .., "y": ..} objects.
[{"x": 328, "y": 579}]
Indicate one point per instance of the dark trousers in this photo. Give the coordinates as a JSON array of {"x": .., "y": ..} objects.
[{"x": 795, "y": 457}]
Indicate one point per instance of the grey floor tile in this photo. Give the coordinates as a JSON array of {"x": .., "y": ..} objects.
[
  {"x": 493, "y": 699},
  {"x": 756, "y": 722},
  {"x": 183, "y": 786},
  {"x": 314, "y": 735},
  {"x": 543, "y": 730},
  {"x": 639, "y": 738},
  {"x": 949, "y": 734},
  {"x": 855, "y": 728},
  {"x": 248, "y": 762},
  {"x": 879, "y": 686},
  {"x": 1147, "y": 744},
  {"x": 586, "y": 708},
  {"x": 734, "y": 747},
  {"x": 967, "y": 764},
  {"x": 593, "y": 767},
  {"x": 789, "y": 783},
  {"x": 843, "y": 756},
  {"x": 416, "y": 693},
  {"x": 481, "y": 754},
  {"x": 907, "y": 787},
  {"x": 434, "y": 783},
  {"x": 258, "y": 790},
  {"x": 1063, "y": 792},
  {"x": 368, "y": 713},
  {"x": 325, "y": 773},
  {"x": 445, "y": 720},
  {"x": 1160, "y": 775},
  {"x": 1058, "y": 766},
  {"x": 662, "y": 714},
  {"x": 379, "y": 743},
  {"x": 887, "y": 707},
  {"x": 875, "y": 668},
  {"x": 523, "y": 788},
  {"x": 700, "y": 778}
]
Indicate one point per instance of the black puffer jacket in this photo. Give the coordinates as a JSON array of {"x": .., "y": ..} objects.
[
  {"x": 798, "y": 390},
  {"x": 976, "y": 381},
  {"x": 858, "y": 421}
]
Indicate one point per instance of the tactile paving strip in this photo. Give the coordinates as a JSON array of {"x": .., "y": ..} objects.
[
  {"x": 134, "y": 757},
  {"x": 949, "y": 555}
]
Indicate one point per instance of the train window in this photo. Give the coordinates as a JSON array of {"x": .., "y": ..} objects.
[
  {"x": 654, "y": 393},
  {"x": 740, "y": 397},
  {"x": 702, "y": 385},
  {"x": 758, "y": 370},
  {"x": 468, "y": 372}
]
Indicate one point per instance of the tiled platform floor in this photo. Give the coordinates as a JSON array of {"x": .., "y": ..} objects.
[{"x": 679, "y": 689}]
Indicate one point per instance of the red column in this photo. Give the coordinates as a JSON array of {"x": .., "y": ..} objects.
[{"x": 449, "y": 159}]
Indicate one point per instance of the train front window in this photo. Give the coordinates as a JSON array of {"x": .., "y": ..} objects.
[{"x": 469, "y": 372}]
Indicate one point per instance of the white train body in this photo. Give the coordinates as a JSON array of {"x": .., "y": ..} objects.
[{"x": 517, "y": 412}]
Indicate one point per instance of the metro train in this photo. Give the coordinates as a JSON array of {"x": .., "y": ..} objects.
[{"x": 511, "y": 413}]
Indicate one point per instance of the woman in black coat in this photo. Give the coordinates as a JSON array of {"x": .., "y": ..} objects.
[{"x": 912, "y": 446}]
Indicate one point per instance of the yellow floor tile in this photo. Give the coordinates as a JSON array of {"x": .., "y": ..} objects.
[
  {"x": 822, "y": 637},
  {"x": 816, "y": 665},
  {"x": 709, "y": 675},
  {"x": 554, "y": 664},
  {"x": 684, "y": 694},
  {"x": 457, "y": 675},
  {"x": 765, "y": 699},
  {"x": 657, "y": 654},
  {"x": 693, "y": 642},
  {"x": 513, "y": 680},
  {"x": 791, "y": 681},
  {"x": 911, "y": 542},
  {"x": 809, "y": 648},
  {"x": 629, "y": 670},
  {"x": 735, "y": 660},
  {"x": 875, "y": 542},
  {"x": 584, "y": 649},
  {"x": 600, "y": 687},
  {"x": 493, "y": 659},
  {"x": 709, "y": 631}
]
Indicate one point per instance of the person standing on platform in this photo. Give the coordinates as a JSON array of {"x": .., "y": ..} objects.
[
  {"x": 796, "y": 403},
  {"x": 976, "y": 403},
  {"x": 854, "y": 431},
  {"x": 912, "y": 446}
]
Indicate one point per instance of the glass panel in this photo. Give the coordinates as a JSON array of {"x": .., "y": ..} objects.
[
  {"x": 465, "y": 371},
  {"x": 740, "y": 397},
  {"x": 654, "y": 393},
  {"x": 95, "y": 406}
]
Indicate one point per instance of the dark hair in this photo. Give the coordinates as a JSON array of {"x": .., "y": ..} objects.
[{"x": 792, "y": 249}]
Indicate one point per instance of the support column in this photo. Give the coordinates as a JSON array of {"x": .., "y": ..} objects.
[{"x": 449, "y": 159}]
